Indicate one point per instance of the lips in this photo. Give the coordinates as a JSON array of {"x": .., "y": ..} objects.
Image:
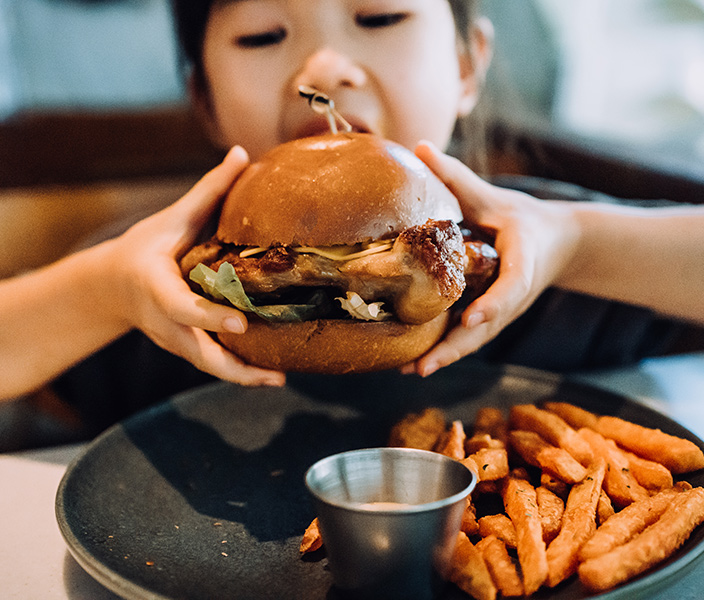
[{"x": 319, "y": 125}]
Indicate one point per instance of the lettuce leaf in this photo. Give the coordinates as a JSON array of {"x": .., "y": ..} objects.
[{"x": 225, "y": 285}]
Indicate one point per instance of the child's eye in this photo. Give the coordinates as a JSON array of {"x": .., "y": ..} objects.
[
  {"x": 261, "y": 40},
  {"x": 380, "y": 20}
]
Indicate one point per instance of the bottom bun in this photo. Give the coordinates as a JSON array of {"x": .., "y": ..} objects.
[{"x": 334, "y": 345}]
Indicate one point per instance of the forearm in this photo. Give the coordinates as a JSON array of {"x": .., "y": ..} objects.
[
  {"x": 650, "y": 257},
  {"x": 54, "y": 317}
]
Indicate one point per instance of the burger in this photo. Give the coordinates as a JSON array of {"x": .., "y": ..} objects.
[{"x": 347, "y": 253}]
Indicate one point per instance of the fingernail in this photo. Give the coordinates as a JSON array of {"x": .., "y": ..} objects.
[
  {"x": 474, "y": 319},
  {"x": 233, "y": 325},
  {"x": 274, "y": 381},
  {"x": 428, "y": 369},
  {"x": 430, "y": 145},
  {"x": 238, "y": 150}
]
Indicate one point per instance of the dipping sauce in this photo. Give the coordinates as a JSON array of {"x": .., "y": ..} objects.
[{"x": 383, "y": 505}]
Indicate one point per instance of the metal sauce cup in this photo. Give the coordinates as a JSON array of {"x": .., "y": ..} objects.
[{"x": 397, "y": 550}]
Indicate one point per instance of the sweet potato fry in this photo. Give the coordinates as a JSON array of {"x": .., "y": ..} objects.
[
  {"x": 605, "y": 508},
  {"x": 653, "y": 545},
  {"x": 555, "y": 485},
  {"x": 312, "y": 540},
  {"x": 677, "y": 454},
  {"x": 553, "y": 429},
  {"x": 420, "y": 430},
  {"x": 469, "y": 571},
  {"x": 578, "y": 525},
  {"x": 492, "y": 463},
  {"x": 651, "y": 475},
  {"x": 480, "y": 441},
  {"x": 551, "y": 508},
  {"x": 451, "y": 442},
  {"x": 469, "y": 519},
  {"x": 628, "y": 522},
  {"x": 521, "y": 506},
  {"x": 539, "y": 453},
  {"x": 619, "y": 483},
  {"x": 491, "y": 421},
  {"x": 501, "y": 567},
  {"x": 573, "y": 415},
  {"x": 500, "y": 526},
  {"x": 488, "y": 487}
]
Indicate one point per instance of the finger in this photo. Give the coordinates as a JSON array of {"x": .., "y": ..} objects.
[
  {"x": 175, "y": 299},
  {"x": 460, "y": 342},
  {"x": 195, "y": 207},
  {"x": 481, "y": 322},
  {"x": 470, "y": 189},
  {"x": 198, "y": 348}
]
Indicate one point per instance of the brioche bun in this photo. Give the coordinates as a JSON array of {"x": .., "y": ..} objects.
[
  {"x": 334, "y": 189},
  {"x": 342, "y": 188},
  {"x": 334, "y": 346}
]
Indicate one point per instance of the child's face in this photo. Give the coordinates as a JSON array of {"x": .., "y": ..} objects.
[{"x": 392, "y": 67}]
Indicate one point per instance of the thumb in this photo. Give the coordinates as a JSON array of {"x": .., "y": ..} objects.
[{"x": 195, "y": 207}]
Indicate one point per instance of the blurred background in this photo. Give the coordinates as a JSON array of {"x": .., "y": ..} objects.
[
  {"x": 625, "y": 71},
  {"x": 96, "y": 131}
]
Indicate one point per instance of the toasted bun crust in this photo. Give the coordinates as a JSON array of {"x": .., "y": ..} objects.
[
  {"x": 332, "y": 189},
  {"x": 334, "y": 346}
]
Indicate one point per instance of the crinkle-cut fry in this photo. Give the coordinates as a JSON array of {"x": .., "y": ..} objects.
[
  {"x": 501, "y": 567},
  {"x": 605, "y": 508},
  {"x": 500, "y": 526},
  {"x": 480, "y": 441},
  {"x": 649, "y": 548},
  {"x": 629, "y": 522},
  {"x": 521, "y": 506},
  {"x": 578, "y": 525},
  {"x": 575, "y": 416},
  {"x": 469, "y": 571},
  {"x": 492, "y": 421},
  {"x": 469, "y": 519},
  {"x": 451, "y": 442},
  {"x": 677, "y": 454},
  {"x": 419, "y": 430},
  {"x": 619, "y": 483},
  {"x": 492, "y": 463},
  {"x": 312, "y": 540},
  {"x": 551, "y": 508},
  {"x": 553, "y": 429},
  {"x": 651, "y": 475},
  {"x": 537, "y": 452}
]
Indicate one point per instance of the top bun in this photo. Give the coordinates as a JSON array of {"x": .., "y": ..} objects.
[{"x": 342, "y": 188}]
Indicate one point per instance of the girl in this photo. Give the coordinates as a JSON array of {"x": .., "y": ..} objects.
[{"x": 407, "y": 70}]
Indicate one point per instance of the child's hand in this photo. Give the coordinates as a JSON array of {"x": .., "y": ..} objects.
[
  {"x": 151, "y": 295},
  {"x": 535, "y": 240}
]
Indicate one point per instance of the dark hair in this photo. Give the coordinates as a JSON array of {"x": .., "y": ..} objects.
[
  {"x": 191, "y": 18},
  {"x": 468, "y": 142}
]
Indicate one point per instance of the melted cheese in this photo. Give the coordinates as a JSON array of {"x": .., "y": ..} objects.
[{"x": 342, "y": 253}]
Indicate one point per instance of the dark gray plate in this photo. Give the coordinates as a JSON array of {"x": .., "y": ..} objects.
[{"x": 202, "y": 497}]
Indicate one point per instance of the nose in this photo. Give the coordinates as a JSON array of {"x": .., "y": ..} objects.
[{"x": 327, "y": 69}]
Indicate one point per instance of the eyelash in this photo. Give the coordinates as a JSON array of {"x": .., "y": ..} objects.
[
  {"x": 380, "y": 20},
  {"x": 270, "y": 38},
  {"x": 261, "y": 40}
]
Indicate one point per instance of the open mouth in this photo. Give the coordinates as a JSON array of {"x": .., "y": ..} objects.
[{"x": 320, "y": 126}]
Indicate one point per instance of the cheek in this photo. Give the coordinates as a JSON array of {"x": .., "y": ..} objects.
[
  {"x": 244, "y": 106},
  {"x": 426, "y": 100}
]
